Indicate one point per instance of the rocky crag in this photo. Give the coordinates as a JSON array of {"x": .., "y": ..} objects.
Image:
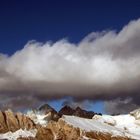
[{"x": 10, "y": 121}]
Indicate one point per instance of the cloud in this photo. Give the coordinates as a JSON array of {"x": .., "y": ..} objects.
[
  {"x": 104, "y": 65},
  {"x": 85, "y": 104},
  {"x": 18, "y": 103},
  {"x": 120, "y": 106}
]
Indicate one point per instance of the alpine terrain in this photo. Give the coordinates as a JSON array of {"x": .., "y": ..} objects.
[{"x": 46, "y": 123}]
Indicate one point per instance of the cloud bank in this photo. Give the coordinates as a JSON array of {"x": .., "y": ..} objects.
[
  {"x": 103, "y": 66},
  {"x": 120, "y": 106}
]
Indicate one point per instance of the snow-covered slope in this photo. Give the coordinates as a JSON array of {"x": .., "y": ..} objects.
[
  {"x": 19, "y": 133},
  {"x": 121, "y": 125},
  {"x": 125, "y": 123},
  {"x": 90, "y": 125}
]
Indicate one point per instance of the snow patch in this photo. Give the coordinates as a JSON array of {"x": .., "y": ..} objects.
[
  {"x": 19, "y": 133},
  {"x": 38, "y": 117}
]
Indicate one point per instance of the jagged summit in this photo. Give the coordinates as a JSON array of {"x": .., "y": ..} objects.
[
  {"x": 67, "y": 110},
  {"x": 46, "y": 108}
]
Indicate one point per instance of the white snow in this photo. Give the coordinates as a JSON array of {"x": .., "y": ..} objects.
[
  {"x": 91, "y": 125},
  {"x": 18, "y": 133},
  {"x": 121, "y": 125},
  {"x": 38, "y": 117},
  {"x": 126, "y": 123}
]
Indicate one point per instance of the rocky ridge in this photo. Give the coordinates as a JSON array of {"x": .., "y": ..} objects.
[
  {"x": 67, "y": 110},
  {"x": 10, "y": 121},
  {"x": 56, "y": 127}
]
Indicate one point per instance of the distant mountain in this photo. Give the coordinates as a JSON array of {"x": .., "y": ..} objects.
[
  {"x": 46, "y": 108},
  {"x": 67, "y": 110}
]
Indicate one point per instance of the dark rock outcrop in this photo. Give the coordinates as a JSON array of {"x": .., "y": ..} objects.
[
  {"x": 83, "y": 113},
  {"x": 67, "y": 110}
]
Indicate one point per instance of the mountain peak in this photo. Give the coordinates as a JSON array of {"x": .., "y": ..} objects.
[
  {"x": 66, "y": 110},
  {"x": 46, "y": 108}
]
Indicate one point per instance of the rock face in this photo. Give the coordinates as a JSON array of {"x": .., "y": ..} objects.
[
  {"x": 19, "y": 117},
  {"x": 3, "y": 126},
  {"x": 12, "y": 122},
  {"x": 63, "y": 131},
  {"x": 28, "y": 123},
  {"x": 83, "y": 113},
  {"x": 44, "y": 134},
  {"x": 66, "y": 110}
]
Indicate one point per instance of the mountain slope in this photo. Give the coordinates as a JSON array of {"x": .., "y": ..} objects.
[
  {"x": 70, "y": 127},
  {"x": 123, "y": 125}
]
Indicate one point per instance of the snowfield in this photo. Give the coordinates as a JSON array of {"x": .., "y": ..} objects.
[
  {"x": 121, "y": 125},
  {"x": 125, "y": 123}
]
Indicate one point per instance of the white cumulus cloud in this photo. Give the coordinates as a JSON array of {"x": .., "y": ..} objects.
[{"x": 104, "y": 65}]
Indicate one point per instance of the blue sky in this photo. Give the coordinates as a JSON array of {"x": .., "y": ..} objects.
[
  {"x": 94, "y": 106},
  {"x": 44, "y": 20}
]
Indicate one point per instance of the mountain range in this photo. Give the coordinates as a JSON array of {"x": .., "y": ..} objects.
[{"x": 45, "y": 123}]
